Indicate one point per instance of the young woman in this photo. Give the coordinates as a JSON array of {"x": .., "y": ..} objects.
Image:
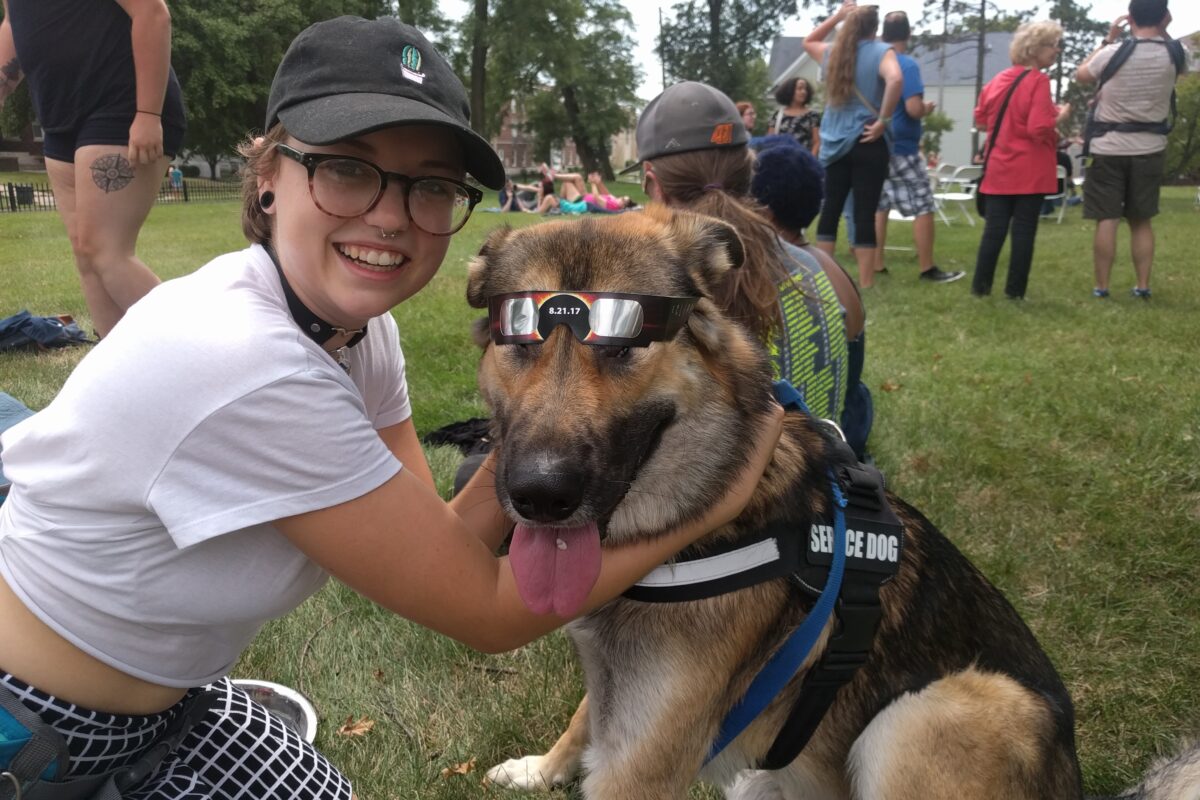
[
  {"x": 789, "y": 183},
  {"x": 100, "y": 76},
  {"x": 862, "y": 83},
  {"x": 749, "y": 115},
  {"x": 781, "y": 294},
  {"x": 794, "y": 116},
  {"x": 1021, "y": 161},
  {"x": 246, "y": 432}
]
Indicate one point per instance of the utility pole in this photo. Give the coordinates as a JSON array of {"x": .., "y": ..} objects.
[{"x": 979, "y": 56}]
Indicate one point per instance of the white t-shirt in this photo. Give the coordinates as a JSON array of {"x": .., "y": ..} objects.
[
  {"x": 1140, "y": 91},
  {"x": 138, "y": 524}
]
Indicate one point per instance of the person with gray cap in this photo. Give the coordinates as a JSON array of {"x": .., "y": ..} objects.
[
  {"x": 246, "y": 432},
  {"x": 693, "y": 148}
]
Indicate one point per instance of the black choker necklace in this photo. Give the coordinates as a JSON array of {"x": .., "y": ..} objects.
[{"x": 313, "y": 326}]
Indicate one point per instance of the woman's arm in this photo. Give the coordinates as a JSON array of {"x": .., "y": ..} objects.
[
  {"x": 815, "y": 44},
  {"x": 1043, "y": 114},
  {"x": 816, "y": 139},
  {"x": 893, "y": 80},
  {"x": 10, "y": 68},
  {"x": 404, "y": 548},
  {"x": 151, "y": 37}
]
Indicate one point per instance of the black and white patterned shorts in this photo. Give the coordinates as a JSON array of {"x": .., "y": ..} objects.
[
  {"x": 237, "y": 750},
  {"x": 907, "y": 187}
]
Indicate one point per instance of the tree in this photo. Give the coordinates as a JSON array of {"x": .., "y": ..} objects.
[
  {"x": 1080, "y": 33},
  {"x": 567, "y": 63},
  {"x": 720, "y": 42},
  {"x": 1183, "y": 145},
  {"x": 225, "y": 53}
]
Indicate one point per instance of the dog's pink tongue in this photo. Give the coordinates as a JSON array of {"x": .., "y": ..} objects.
[{"x": 555, "y": 568}]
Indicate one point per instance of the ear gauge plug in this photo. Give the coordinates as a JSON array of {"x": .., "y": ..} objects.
[{"x": 266, "y": 199}]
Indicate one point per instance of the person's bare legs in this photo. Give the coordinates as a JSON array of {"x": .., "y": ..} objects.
[
  {"x": 103, "y": 201},
  {"x": 572, "y": 186},
  {"x": 1104, "y": 250},
  {"x": 923, "y": 238},
  {"x": 866, "y": 258},
  {"x": 1141, "y": 248},
  {"x": 597, "y": 183}
]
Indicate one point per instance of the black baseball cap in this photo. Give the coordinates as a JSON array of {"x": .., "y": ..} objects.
[
  {"x": 685, "y": 117},
  {"x": 349, "y": 76}
]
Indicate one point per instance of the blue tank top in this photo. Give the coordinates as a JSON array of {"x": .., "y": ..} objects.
[{"x": 842, "y": 125}]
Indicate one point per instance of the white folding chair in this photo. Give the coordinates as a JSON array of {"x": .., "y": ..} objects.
[
  {"x": 960, "y": 189},
  {"x": 1061, "y": 197}
]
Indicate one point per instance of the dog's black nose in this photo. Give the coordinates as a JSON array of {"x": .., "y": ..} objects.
[{"x": 545, "y": 495}]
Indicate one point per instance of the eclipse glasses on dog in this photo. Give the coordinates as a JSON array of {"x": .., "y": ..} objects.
[{"x": 596, "y": 318}]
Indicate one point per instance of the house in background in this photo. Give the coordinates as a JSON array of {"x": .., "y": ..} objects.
[
  {"x": 949, "y": 83},
  {"x": 515, "y": 145}
]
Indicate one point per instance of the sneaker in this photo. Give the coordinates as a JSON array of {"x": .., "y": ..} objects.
[
  {"x": 1098, "y": 292},
  {"x": 1142, "y": 293},
  {"x": 938, "y": 276}
]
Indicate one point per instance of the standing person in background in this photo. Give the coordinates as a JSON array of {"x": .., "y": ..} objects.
[
  {"x": 1129, "y": 138},
  {"x": 907, "y": 186},
  {"x": 795, "y": 116},
  {"x": 100, "y": 76},
  {"x": 749, "y": 115},
  {"x": 1021, "y": 161},
  {"x": 863, "y": 83}
]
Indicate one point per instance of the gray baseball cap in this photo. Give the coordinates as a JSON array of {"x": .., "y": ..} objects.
[
  {"x": 685, "y": 117},
  {"x": 349, "y": 76}
]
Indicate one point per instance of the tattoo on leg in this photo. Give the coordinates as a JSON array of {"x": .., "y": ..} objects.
[
  {"x": 10, "y": 76},
  {"x": 112, "y": 172}
]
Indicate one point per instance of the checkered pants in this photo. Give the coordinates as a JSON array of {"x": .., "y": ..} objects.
[
  {"x": 237, "y": 750},
  {"x": 907, "y": 187}
]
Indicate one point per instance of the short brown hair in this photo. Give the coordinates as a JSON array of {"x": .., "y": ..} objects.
[{"x": 260, "y": 156}]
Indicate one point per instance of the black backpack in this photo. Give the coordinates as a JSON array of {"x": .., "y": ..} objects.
[{"x": 1095, "y": 127}]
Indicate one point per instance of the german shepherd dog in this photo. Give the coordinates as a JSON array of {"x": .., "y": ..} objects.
[{"x": 956, "y": 699}]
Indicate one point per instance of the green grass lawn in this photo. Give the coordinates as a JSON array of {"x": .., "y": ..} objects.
[{"x": 1055, "y": 441}]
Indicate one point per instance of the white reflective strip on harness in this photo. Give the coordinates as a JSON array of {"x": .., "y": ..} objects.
[{"x": 713, "y": 568}]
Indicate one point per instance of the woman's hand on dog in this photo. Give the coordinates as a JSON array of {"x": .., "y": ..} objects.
[{"x": 740, "y": 491}]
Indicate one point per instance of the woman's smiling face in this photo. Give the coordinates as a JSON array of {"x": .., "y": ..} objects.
[{"x": 347, "y": 270}]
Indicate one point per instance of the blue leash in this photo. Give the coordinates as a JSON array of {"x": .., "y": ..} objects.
[{"x": 786, "y": 662}]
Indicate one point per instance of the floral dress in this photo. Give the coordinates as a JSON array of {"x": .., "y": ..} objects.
[{"x": 801, "y": 126}]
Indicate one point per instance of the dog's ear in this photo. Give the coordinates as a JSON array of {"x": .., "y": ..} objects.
[
  {"x": 711, "y": 248},
  {"x": 477, "y": 270},
  {"x": 705, "y": 323}
]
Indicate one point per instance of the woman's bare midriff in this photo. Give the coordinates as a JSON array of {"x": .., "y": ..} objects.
[{"x": 35, "y": 653}]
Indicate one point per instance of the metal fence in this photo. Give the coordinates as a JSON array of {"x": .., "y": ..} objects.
[{"x": 38, "y": 196}]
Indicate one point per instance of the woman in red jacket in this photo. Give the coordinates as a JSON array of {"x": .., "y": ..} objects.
[{"x": 1021, "y": 165}]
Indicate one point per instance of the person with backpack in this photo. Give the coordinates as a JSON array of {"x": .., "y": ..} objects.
[{"x": 1126, "y": 135}]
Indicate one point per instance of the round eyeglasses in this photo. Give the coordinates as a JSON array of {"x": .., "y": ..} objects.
[{"x": 344, "y": 186}]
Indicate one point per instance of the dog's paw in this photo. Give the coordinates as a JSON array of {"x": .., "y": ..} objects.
[{"x": 532, "y": 773}]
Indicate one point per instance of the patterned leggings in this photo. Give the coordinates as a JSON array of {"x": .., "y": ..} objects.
[{"x": 237, "y": 750}]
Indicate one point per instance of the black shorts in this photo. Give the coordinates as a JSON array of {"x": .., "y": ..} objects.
[
  {"x": 61, "y": 146},
  {"x": 1123, "y": 186}
]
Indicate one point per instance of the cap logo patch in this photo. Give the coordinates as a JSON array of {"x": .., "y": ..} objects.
[
  {"x": 410, "y": 64},
  {"x": 723, "y": 133},
  {"x": 673, "y": 144}
]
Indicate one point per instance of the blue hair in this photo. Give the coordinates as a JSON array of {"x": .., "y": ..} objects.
[{"x": 788, "y": 180}]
